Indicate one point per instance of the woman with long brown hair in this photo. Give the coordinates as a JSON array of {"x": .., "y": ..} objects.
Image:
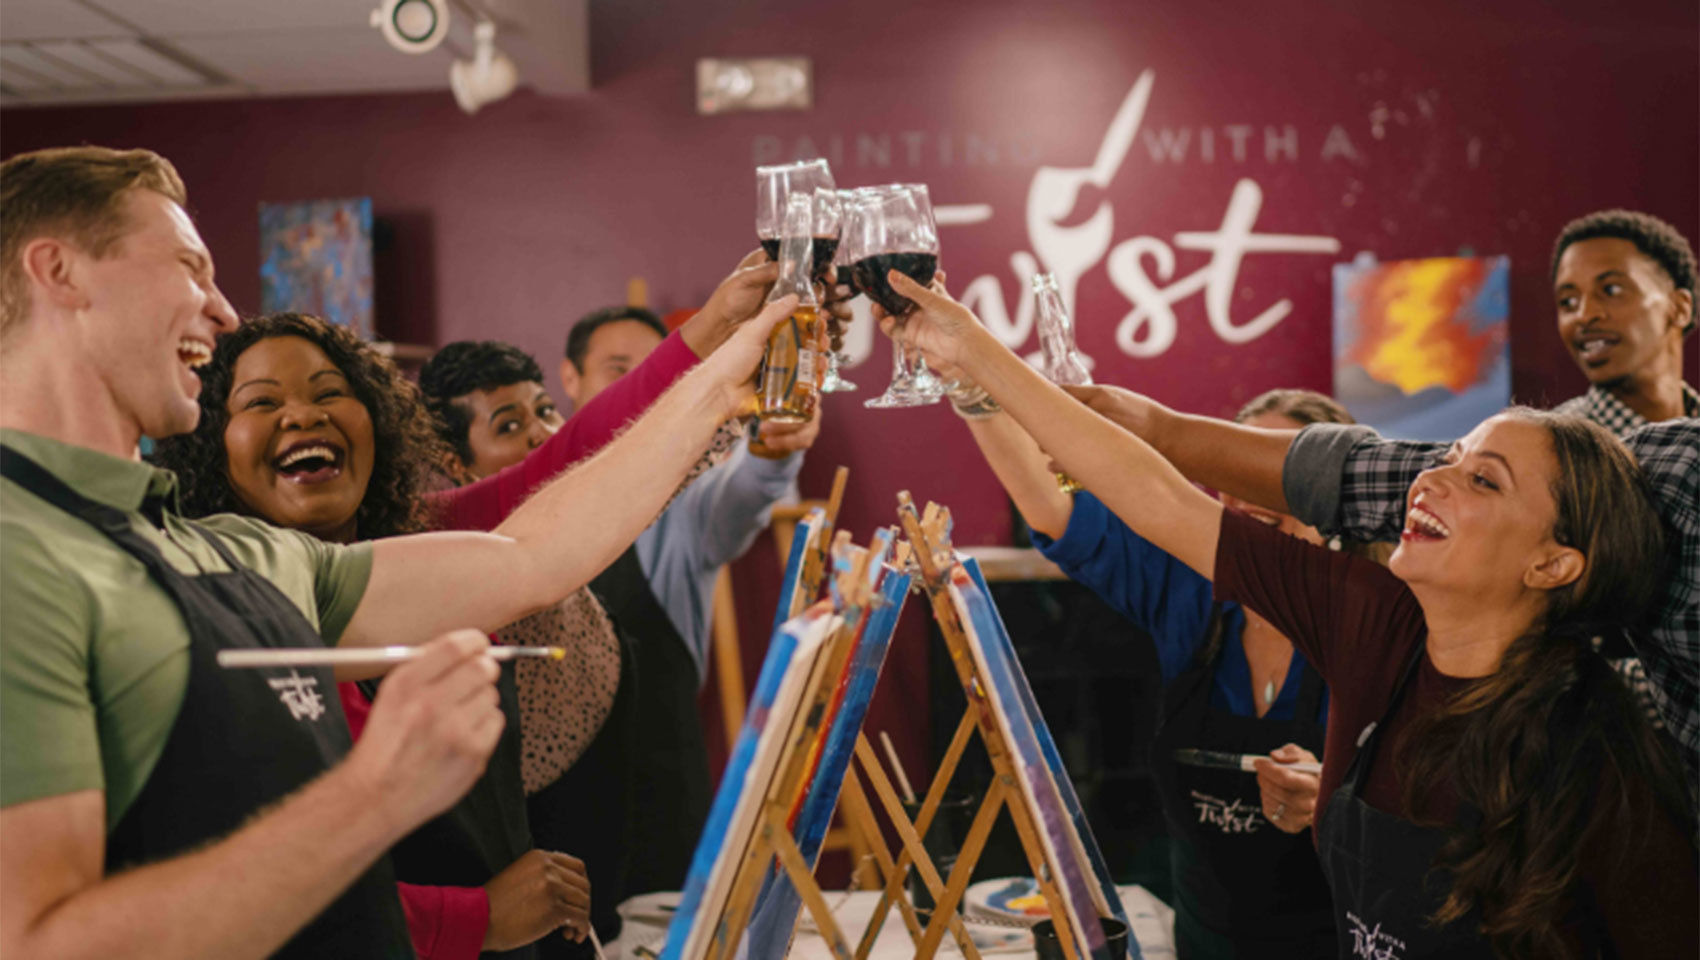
[{"x": 1491, "y": 789}]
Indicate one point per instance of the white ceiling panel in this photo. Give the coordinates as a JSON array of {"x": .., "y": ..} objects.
[
  {"x": 54, "y": 20},
  {"x": 184, "y": 17},
  {"x": 84, "y": 58},
  {"x": 300, "y": 61},
  {"x": 148, "y": 62},
  {"x": 61, "y": 75}
]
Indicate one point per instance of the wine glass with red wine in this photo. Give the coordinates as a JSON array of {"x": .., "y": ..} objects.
[
  {"x": 889, "y": 228},
  {"x": 774, "y": 186}
]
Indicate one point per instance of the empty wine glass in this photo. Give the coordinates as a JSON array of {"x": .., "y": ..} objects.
[
  {"x": 1060, "y": 361},
  {"x": 774, "y": 185},
  {"x": 834, "y": 381},
  {"x": 891, "y": 228}
]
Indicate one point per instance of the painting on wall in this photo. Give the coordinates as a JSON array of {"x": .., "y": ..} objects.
[
  {"x": 316, "y": 257},
  {"x": 1422, "y": 347}
]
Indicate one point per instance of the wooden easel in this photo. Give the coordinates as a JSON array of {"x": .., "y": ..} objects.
[
  {"x": 773, "y": 838},
  {"x": 929, "y": 536}
]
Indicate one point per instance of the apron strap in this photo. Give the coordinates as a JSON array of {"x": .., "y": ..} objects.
[
  {"x": 32, "y": 476},
  {"x": 1371, "y": 737},
  {"x": 1310, "y": 693}
]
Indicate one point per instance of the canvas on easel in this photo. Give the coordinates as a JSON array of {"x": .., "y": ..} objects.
[
  {"x": 779, "y": 904},
  {"x": 1028, "y": 780},
  {"x": 788, "y": 667}
]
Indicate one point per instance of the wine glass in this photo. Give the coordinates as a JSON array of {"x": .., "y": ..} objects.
[
  {"x": 774, "y": 185},
  {"x": 834, "y": 382},
  {"x": 888, "y": 228},
  {"x": 1060, "y": 361}
]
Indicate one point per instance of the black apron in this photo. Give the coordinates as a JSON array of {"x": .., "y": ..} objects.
[
  {"x": 1242, "y": 887},
  {"x": 243, "y": 739},
  {"x": 1378, "y": 868},
  {"x": 671, "y": 790},
  {"x": 483, "y": 833}
]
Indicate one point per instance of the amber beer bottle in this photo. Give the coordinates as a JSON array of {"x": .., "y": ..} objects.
[
  {"x": 1061, "y": 362},
  {"x": 790, "y": 374}
]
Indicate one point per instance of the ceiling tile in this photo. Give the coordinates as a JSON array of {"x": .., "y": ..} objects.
[
  {"x": 295, "y": 61},
  {"x": 87, "y": 60},
  {"x": 148, "y": 62},
  {"x": 180, "y": 17},
  {"x": 54, "y": 20},
  {"x": 61, "y": 75}
]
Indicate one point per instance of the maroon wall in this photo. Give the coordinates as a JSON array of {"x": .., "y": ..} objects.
[{"x": 1406, "y": 130}]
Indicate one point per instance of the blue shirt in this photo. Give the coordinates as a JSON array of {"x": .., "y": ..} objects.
[
  {"x": 1168, "y": 600},
  {"x": 707, "y": 526}
]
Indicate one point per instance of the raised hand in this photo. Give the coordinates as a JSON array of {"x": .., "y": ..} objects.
[
  {"x": 738, "y": 298},
  {"x": 540, "y": 892},
  {"x": 433, "y": 725},
  {"x": 776, "y": 441},
  {"x": 944, "y": 330},
  {"x": 733, "y": 366},
  {"x": 1289, "y": 797}
]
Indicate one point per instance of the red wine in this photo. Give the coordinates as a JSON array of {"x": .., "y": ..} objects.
[
  {"x": 825, "y": 249},
  {"x": 871, "y": 277}
]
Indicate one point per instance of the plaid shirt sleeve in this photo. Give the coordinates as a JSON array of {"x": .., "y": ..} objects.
[
  {"x": 1347, "y": 481},
  {"x": 1670, "y": 457}
]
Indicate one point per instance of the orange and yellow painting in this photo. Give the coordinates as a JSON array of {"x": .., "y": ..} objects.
[{"x": 1420, "y": 346}]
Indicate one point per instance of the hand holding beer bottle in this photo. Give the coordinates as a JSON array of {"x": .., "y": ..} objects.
[{"x": 1062, "y": 363}]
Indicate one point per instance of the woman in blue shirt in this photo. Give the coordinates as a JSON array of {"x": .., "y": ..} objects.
[{"x": 1247, "y": 882}]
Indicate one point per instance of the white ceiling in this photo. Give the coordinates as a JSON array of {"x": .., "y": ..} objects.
[{"x": 104, "y": 51}]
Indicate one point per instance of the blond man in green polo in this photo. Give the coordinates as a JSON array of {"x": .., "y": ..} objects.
[{"x": 125, "y": 754}]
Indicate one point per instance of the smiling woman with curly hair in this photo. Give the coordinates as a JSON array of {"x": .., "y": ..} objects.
[
  {"x": 305, "y": 426},
  {"x": 351, "y": 463}
]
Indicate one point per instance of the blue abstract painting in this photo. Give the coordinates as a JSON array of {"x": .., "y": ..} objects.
[{"x": 316, "y": 257}]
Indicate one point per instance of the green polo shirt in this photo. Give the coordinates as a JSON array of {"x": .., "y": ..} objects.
[{"x": 94, "y": 658}]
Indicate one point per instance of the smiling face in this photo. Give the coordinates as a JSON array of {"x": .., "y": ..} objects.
[
  {"x": 1618, "y": 311},
  {"x": 507, "y": 423},
  {"x": 299, "y": 444},
  {"x": 152, "y": 314},
  {"x": 1286, "y": 523},
  {"x": 1482, "y": 521}
]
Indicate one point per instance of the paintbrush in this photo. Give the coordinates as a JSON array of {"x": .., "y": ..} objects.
[
  {"x": 360, "y": 656},
  {"x": 1238, "y": 761}
]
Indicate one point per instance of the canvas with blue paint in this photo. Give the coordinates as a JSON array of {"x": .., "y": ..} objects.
[
  {"x": 316, "y": 257},
  {"x": 1422, "y": 347}
]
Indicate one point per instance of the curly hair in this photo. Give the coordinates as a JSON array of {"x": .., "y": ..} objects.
[
  {"x": 406, "y": 449},
  {"x": 461, "y": 368},
  {"x": 1657, "y": 239}
]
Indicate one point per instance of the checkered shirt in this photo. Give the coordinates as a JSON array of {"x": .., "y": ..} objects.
[
  {"x": 1608, "y": 411},
  {"x": 1373, "y": 475}
]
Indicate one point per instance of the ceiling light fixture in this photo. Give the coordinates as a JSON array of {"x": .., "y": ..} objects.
[
  {"x": 486, "y": 78},
  {"x": 413, "y": 26}
]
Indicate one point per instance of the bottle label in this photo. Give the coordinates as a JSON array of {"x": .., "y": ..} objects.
[{"x": 805, "y": 365}]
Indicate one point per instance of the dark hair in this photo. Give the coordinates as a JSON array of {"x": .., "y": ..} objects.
[
  {"x": 405, "y": 453},
  {"x": 1660, "y": 241},
  {"x": 1547, "y": 746},
  {"x": 578, "y": 340},
  {"x": 1301, "y": 406},
  {"x": 74, "y": 192},
  {"x": 461, "y": 368}
]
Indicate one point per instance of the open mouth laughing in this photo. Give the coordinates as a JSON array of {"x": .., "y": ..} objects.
[
  {"x": 1421, "y": 525},
  {"x": 195, "y": 354},
  {"x": 309, "y": 461}
]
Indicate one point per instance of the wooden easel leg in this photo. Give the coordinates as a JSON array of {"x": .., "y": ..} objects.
[
  {"x": 862, "y": 814},
  {"x": 946, "y": 900},
  {"x": 803, "y": 879}
]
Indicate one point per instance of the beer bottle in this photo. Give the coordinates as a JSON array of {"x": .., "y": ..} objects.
[
  {"x": 1061, "y": 363},
  {"x": 790, "y": 387}
]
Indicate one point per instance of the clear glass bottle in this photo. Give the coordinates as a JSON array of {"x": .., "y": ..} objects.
[
  {"x": 1060, "y": 362},
  {"x": 790, "y": 378}
]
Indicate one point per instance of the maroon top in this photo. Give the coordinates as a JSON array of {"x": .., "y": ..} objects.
[{"x": 1359, "y": 624}]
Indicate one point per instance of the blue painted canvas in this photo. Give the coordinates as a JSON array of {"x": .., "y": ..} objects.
[
  {"x": 779, "y": 903},
  {"x": 316, "y": 257},
  {"x": 1056, "y": 827},
  {"x": 805, "y": 538}
]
